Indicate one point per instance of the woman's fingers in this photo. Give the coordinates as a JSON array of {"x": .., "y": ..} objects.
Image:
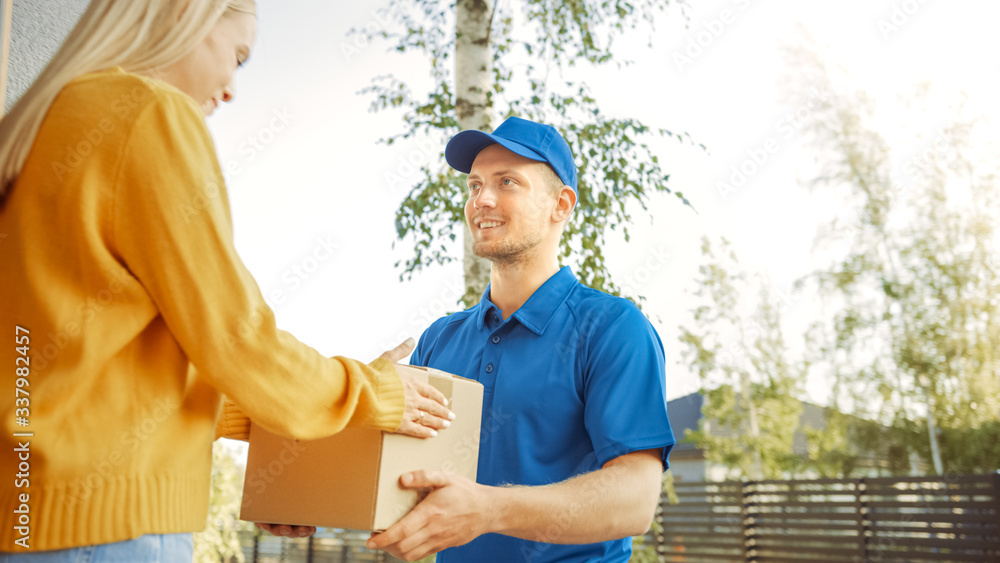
[
  {"x": 285, "y": 530},
  {"x": 399, "y": 352},
  {"x": 435, "y": 404},
  {"x": 426, "y": 411}
]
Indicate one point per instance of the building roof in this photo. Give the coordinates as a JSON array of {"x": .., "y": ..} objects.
[{"x": 685, "y": 412}]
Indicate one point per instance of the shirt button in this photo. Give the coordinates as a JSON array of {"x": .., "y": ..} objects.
[
  {"x": 496, "y": 340},
  {"x": 489, "y": 368}
]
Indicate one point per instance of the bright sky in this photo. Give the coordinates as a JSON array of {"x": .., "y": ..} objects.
[{"x": 314, "y": 214}]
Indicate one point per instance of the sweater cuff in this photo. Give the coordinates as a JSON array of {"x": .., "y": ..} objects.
[
  {"x": 232, "y": 422},
  {"x": 389, "y": 395}
]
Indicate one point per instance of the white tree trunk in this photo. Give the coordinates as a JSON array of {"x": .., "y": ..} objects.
[
  {"x": 473, "y": 82},
  {"x": 757, "y": 470},
  {"x": 932, "y": 431}
]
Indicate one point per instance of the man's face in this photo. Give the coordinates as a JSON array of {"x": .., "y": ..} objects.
[{"x": 510, "y": 205}]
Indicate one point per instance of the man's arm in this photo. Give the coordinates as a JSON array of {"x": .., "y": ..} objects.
[{"x": 614, "y": 502}]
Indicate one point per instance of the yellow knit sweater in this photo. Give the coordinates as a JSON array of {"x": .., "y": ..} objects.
[{"x": 117, "y": 261}]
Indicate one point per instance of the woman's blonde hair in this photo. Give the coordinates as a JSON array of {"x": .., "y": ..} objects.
[{"x": 137, "y": 35}]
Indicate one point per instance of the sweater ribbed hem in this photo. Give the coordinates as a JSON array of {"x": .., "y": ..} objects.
[
  {"x": 233, "y": 424},
  {"x": 63, "y": 516},
  {"x": 391, "y": 397}
]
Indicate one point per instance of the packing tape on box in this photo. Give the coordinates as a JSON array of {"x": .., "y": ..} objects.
[{"x": 442, "y": 381}]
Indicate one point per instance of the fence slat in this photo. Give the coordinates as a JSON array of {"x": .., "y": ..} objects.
[
  {"x": 913, "y": 557},
  {"x": 902, "y": 519},
  {"x": 683, "y": 557},
  {"x": 932, "y": 518}
]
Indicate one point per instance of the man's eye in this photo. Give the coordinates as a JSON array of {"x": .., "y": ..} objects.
[{"x": 507, "y": 181}]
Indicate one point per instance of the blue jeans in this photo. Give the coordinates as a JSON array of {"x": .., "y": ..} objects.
[{"x": 151, "y": 548}]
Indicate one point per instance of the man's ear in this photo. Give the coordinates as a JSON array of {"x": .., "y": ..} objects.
[{"x": 565, "y": 202}]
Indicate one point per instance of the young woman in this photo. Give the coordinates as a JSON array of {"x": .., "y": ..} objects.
[{"x": 128, "y": 313}]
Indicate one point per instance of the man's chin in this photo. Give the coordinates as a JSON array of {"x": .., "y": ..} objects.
[
  {"x": 497, "y": 254},
  {"x": 486, "y": 251},
  {"x": 482, "y": 253}
]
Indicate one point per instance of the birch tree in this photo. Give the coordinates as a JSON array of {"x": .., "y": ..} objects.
[
  {"x": 473, "y": 62},
  {"x": 911, "y": 276},
  {"x": 467, "y": 45},
  {"x": 750, "y": 386},
  {"x": 220, "y": 540}
]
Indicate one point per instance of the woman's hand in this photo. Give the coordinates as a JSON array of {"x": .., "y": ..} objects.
[{"x": 426, "y": 409}]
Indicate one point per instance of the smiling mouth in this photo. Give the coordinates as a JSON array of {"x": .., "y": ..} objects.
[{"x": 490, "y": 224}]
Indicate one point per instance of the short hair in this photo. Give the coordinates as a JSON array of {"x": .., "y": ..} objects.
[
  {"x": 550, "y": 177},
  {"x": 552, "y": 181}
]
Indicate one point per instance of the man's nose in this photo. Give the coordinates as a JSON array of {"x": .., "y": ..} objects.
[{"x": 486, "y": 198}]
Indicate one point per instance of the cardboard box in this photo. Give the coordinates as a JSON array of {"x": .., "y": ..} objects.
[{"x": 351, "y": 479}]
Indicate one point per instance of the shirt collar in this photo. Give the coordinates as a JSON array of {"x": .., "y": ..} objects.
[
  {"x": 538, "y": 310},
  {"x": 484, "y": 308}
]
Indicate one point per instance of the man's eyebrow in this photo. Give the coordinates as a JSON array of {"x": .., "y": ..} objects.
[{"x": 506, "y": 172}]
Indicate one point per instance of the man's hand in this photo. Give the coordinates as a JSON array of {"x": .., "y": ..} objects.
[
  {"x": 426, "y": 409},
  {"x": 284, "y": 530},
  {"x": 456, "y": 511}
]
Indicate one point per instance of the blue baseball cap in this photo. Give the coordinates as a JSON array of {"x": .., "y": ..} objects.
[{"x": 520, "y": 136}]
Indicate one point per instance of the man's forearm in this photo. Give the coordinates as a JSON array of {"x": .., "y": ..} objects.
[{"x": 616, "y": 501}]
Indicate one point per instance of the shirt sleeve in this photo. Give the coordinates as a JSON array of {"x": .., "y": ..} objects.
[
  {"x": 625, "y": 385},
  {"x": 173, "y": 231},
  {"x": 422, "y": 351}
]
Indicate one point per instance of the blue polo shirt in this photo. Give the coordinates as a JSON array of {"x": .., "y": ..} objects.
[{"x": 573, "y": 379}]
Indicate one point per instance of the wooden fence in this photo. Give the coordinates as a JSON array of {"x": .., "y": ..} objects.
[
  {"x": 891, "y": 519},
  {"x": 326, "y": 546}
]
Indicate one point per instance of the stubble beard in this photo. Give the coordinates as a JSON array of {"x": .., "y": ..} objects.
[{"x": 507, "y": 252}]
